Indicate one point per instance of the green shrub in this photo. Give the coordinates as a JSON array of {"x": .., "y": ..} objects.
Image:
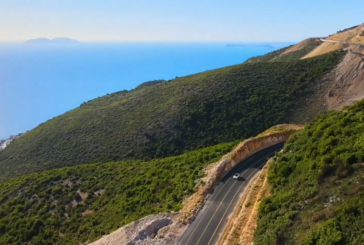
[{"x": 319, "y": 180}]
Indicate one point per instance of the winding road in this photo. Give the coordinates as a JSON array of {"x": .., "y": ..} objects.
[
  {"x": 211, "y": 220},
  {"x": 359, "y": 44},
  {"x": 343, "y": 42}
]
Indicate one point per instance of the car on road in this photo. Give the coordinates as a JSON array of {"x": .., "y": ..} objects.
[{"x": 236, "y": 176}]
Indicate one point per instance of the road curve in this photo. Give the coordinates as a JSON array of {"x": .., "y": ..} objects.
[
  {"x": 210, "y": 221},
  {"x": 343, "y": 42}
]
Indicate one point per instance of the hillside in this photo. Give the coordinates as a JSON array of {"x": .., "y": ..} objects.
[
  {"x": 354, "y": 35},
  {"x": 82, "y": 203},
  {"x": 317, "y": 184},
  {"x": 290, "y": 53},
  {"x": 171, "y": 117}
]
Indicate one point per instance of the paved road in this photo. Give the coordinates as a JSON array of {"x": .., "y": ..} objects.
[
  {"x": 343, "y": 42},
  {"x": 210, "y": 221}
]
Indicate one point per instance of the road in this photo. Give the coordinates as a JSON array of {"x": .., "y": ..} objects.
[
  {"x": 211, "y": 220},
  {"x": 343, "y": 42},
  {"x": 359, "y": 44}
]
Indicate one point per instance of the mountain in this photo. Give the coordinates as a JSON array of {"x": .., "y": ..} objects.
[
  {"x": 172, "y": 117},
  {"x": 52, "y": 41}
]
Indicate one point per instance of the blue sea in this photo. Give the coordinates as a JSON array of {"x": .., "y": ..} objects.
[{"x": 39, "y": 82}]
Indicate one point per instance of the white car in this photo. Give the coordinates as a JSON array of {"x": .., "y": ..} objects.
[{"x": 236, "y": 176}]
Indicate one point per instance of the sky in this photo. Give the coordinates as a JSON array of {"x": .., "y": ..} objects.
[{"x": 177, "y": 20}]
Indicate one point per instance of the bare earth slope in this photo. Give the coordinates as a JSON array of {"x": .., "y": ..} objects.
[
  {"x": 355, "y": 35},
  {"x": 348, "y": 84}
]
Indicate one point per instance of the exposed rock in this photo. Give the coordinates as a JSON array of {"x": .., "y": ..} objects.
[
  {"x": 8, "y": 141},
  {"x": 347, "y": 86},
  {"x": 162, "y": 229}
]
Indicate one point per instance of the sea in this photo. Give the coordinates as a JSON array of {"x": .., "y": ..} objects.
[{"x": 39, "y": 82}]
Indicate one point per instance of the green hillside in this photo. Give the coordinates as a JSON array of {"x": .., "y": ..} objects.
[
  {"x": 317, "y": 185},
  {"x": 80, "y": 203},
  {"x": 172, "y": 117}
]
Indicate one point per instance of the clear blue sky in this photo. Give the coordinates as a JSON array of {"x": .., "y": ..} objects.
[{"x": 176, "y": 20}]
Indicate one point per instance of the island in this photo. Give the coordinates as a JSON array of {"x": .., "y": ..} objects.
[
  {"x": 250, "y": 45},
  {"x": 60, "y": 40}
]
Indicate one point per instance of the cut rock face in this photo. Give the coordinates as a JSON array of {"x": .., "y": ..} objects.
[{"x": 150, "y": 231}]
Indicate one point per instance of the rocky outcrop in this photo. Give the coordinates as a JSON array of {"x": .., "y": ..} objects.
[
  {"x": 162, "y": 229},
  {"x": 245, "y": 149},
  {"x": 8, "y": 141}
]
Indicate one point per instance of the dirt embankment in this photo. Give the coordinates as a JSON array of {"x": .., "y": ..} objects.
[
  {"x": 166, "y": 229},
  {"x": 242, "y": 224}
]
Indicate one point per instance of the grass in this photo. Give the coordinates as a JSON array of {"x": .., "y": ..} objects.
[
  {"x": 81, "y": 203},
  {"x": 317, "y": 184},
  {"x": 170, "y": 118}
]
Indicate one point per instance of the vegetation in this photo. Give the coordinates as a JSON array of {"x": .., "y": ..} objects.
[
  {"x": 350, "y": 28},
  {"x": 82, "y": 203},
  {"x": 317, "y": 184},
  {"x": 269, "y": 56},
  {"x": 150, "y": 83},
  {"x": 170, "y": 118},
  {"x": 279, "y": 129},
  {"x": 279, "y": 55}
]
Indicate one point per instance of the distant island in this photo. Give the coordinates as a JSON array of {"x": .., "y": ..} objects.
[
  {"x": 250, "y": 45},
  {"x": 61, "y": 40}
]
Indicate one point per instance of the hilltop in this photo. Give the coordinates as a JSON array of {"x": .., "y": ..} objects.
[
  {"x": 60, "y": 40},
  {"x": 169, "y": 118}
]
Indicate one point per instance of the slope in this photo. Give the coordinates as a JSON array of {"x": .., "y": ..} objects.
[
  {"x": 81, "y": 203},
  {"x": 290, "y": 53},
  {"x": 317, "y": 184},
  {"x": 170, "y": 117},
  {"x": 350, "y": 35}
]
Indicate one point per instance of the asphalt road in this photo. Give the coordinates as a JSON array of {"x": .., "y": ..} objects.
[
  {"x": 343, "y": 42},
  {"x": 211, "y": 220}
]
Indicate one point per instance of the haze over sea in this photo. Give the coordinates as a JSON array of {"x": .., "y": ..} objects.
[{"x": 39, "y": 82}]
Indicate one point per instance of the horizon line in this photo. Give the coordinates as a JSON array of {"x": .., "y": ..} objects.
[{"x": 151, "y": 41}]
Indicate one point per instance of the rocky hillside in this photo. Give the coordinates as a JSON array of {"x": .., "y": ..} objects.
[
  {"x": 171, "y": 117},
  {"x": 317, "y": 184}
]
